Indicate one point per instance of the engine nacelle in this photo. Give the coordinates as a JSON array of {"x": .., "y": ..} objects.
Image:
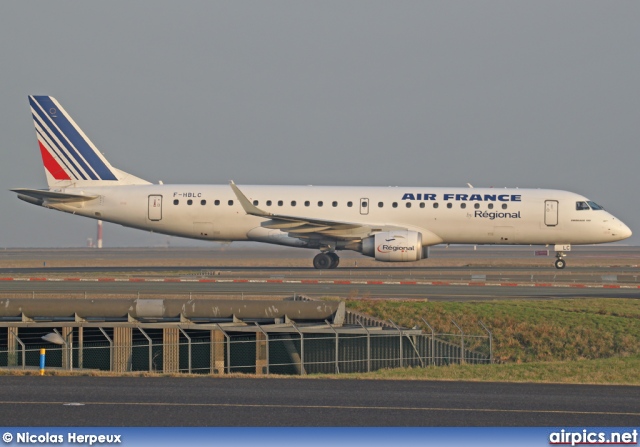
[{"x": 394, "y": 246}]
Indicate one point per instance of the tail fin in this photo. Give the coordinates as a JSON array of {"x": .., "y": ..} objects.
[{"x": 68, "y": 155}]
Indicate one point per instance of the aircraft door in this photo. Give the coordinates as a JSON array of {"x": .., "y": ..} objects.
[
  {"x": 551, "y": 213},
  {"x": 364, "y": 206},
  {"x": 155, "y": 208}
]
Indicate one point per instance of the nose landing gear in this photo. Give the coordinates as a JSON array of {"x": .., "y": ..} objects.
[
  {"x": 560, "y": 263},
  {"x": 327, "y": 260},
  {"x": 560, "y": 254}
]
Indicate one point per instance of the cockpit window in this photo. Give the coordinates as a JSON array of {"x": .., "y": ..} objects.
[
  {"x": 595, "y": 206},
  {"x": 582, "y": 206}
]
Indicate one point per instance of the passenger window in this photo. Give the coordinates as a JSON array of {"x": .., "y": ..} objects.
[
  {"x": 449, "y": 205},
  {"x": 408, "y": 204},
  {"x": 463, "y": 205},
  {"x": 320, "y": 203},
  {"x": 230, "y": 202},
  {"x": 268, "y": 202},
  {"x": 255, "y": 203},
  {"x": 293, "y": 203},
  {"x": 216, "y": 202},
  {"x": 476, "y": 205},
  {"x": 421, "y": 204},
  {"x": 334, "y": 204},
  {"x": 175, "y": 202},
  {"x": 203, "y": 202},
  {"x": 280, "y": 203},
  {"x": 307, "y": 203},
  {"x": 189, "y": 202},
  {"x": 380, "y": 204},
  {"x": 504, "y": 206},
  {"x": 490, "y": 206},
  {"x": 394, "y": 204},
  {"x": 435, "y": 205},
  {"x": 349, "y": 204},
  {"x": 581, "y": 206}
]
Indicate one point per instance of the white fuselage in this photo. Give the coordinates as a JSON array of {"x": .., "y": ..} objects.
[
  {"x": 389, "y": 224},
  {"x": 442, "y": 215}
]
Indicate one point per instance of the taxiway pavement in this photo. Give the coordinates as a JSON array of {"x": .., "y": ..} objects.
[{"x": 137, "y": 401}]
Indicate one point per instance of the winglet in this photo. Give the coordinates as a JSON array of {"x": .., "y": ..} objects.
[{"x": 248, "y": 207}]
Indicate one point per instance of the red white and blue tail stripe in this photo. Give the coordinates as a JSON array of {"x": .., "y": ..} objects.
[{"x": 68, "y": 155}]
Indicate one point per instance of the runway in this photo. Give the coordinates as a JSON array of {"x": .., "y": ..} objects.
[
  {"x": 172, "y": 402},
  {"x": 260, "y": 256},
  {"x": 511, "y": 274}
]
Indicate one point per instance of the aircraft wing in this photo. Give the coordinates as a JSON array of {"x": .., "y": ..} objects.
[
  {"x": 39, "y": 196},
  {"x": 298, "y": 226}
]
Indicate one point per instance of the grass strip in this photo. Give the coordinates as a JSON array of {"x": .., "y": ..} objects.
[
  {"x": 527, "y": 331},
  {"x": 611, "y": 371}
]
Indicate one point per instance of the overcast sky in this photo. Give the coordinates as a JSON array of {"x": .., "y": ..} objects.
[{"x": 495, "y": 93}]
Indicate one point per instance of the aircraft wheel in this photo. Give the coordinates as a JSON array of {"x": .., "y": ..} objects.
[
  {"x": 560, "y": 263},
  {"x": 322, "y": 261},
  {"x": 335, "y": 260}
]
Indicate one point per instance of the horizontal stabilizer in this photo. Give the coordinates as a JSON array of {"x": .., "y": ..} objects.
[{"x": 38, "y": 196}]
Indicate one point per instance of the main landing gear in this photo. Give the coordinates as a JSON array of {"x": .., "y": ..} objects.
[{"x": 326, "y": 260}]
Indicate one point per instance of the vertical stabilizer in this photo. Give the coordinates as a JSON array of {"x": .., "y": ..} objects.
[{"x": 69, "y": 157}]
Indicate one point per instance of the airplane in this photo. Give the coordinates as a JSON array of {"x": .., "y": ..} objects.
[{"x": 389, "y": 224}]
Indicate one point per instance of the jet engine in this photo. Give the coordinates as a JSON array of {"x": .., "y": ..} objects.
[{"x": 395, "y": 246}]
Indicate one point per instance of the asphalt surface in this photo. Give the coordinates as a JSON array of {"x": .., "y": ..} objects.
[
  {"x": 628, "y": 274},
  {"x": 262, "y": 251},
  {"x": 248, "y": 289},
  {"x": 126, "y": 401},
  {"x": 276, "y": 281},
  {"x": 106, "y": 401}
]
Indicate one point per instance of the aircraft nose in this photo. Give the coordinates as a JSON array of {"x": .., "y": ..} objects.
[
  {"x": 625, "y": 231},
  {"x": 620, "y": 231}
]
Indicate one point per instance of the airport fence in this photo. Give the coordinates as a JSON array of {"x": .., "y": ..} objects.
[{"x": 174, "y": 349}]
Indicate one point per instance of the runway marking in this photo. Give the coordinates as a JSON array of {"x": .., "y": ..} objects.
[
  {"x": 408, "y": 283},
  {"x": 329, "y": 407}
]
